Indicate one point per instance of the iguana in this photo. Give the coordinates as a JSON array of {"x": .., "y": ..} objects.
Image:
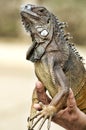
[{"x": 57, "y": 64}]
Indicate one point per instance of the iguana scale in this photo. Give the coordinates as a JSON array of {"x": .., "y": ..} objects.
[{"x": 57, "y": 64}]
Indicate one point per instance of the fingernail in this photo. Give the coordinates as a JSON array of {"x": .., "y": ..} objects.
[
  {"x": 36, "y": 106},
  {"x": 71, "y": 93},
  {"x": 38, "y": 85}
]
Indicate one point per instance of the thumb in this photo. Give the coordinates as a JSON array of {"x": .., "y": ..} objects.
[
  {"x": 41, "y": 93},
  {"x": 71, "y": 102},
  {"x": 39, "y": 87}
]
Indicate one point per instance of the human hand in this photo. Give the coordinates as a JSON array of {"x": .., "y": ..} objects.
[{"x": 70, "y": 118}]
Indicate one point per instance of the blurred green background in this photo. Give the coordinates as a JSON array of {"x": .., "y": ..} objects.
[
  {"x": 17, "y": 78},
  {"x": 71, "y": 11}
]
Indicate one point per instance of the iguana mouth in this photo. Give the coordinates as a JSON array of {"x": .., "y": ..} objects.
[
  {"x": 27, "y": 13},
  {"x": 28, "y": 16}
]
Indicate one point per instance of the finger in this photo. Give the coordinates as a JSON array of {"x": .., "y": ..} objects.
[
  {"x": 37, "y": 106},
  {"x": 40, "y": 87},
  {"x": 71, "y": 102},
  {"x": 41, "y": 93},
  {"x": 61, "y": 113}
]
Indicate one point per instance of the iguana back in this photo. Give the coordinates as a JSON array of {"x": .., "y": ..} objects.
[{"x": 76, "y": 73}]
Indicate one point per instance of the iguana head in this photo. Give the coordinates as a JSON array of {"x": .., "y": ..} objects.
[
  {"x": 43, "y": 27},
  {"x": 36, "y": 19}
]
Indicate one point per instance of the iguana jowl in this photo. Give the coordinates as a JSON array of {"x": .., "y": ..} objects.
[{"x": 57, "y": 64}]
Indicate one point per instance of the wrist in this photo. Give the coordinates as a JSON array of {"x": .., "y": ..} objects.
[{"x": 82, "y": 120}]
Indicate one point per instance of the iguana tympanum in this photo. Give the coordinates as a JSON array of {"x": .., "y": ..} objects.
[{"x": 57, "y": 64}]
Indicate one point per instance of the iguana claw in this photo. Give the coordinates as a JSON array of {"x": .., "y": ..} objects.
[{"x": 42, "y": 116}]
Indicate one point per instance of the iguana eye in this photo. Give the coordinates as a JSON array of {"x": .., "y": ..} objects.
[{"x": 41, "y": 10}]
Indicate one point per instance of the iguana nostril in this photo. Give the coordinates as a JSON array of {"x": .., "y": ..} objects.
[{"x": 26, "y": 7}]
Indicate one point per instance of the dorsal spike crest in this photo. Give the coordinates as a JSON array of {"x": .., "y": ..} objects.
[
  {"x": 62, "y": 26},
  {"x": 75, "y": 51},
  {"x": 66, "y": 35},
  {"x": 68, "y": 38},
  {"x": 72, "y": 44},
  {"x": 62, "y": 23}
]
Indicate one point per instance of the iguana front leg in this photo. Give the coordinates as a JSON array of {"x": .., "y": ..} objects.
[
  {"x": 63, "y": 88},
  {"x": 48, "y": 111}
]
